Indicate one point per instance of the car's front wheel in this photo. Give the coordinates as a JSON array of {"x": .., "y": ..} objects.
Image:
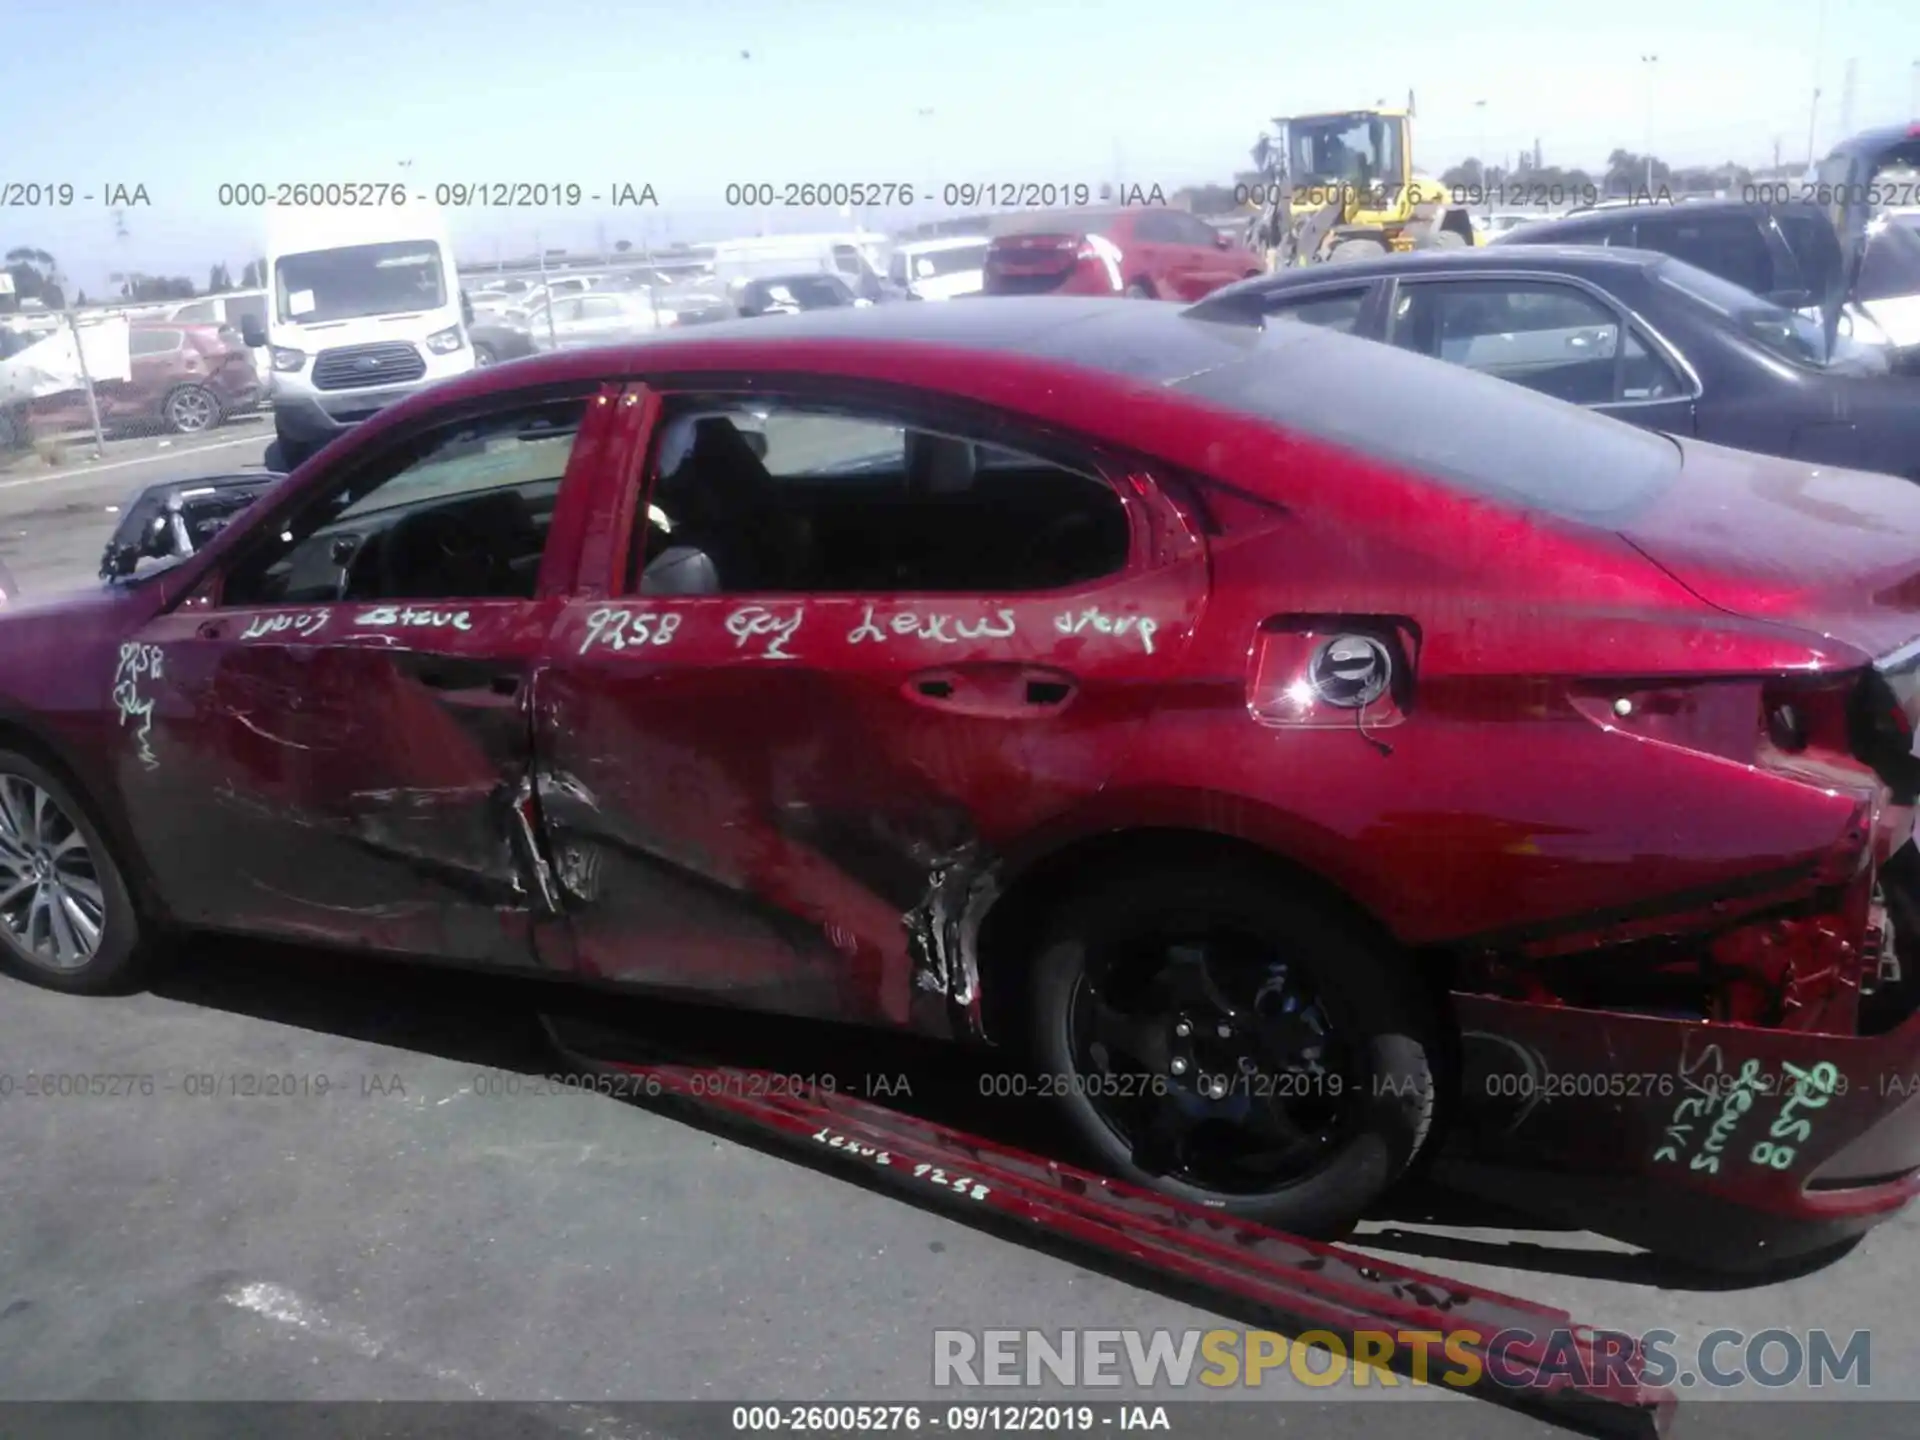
[
  {"x": 67, "y": 918},
  {"x": 1212, "y": 1034}
]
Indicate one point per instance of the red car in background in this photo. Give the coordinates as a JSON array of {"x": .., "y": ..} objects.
[
  {"x": 185, "y": 379},
  {"x": 1149, "y": 252},
  {"x": 1301, "y": 755}
]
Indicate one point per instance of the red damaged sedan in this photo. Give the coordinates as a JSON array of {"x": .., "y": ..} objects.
[{"x": 1305, "y": 757}]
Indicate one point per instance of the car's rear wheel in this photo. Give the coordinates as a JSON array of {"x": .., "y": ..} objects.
[
  {"x": 67, "y": 919},
  {"x": 483, "y": 353},
  {"x": 191, "y": 409},
  {"x": 1207, "y": 1032}
]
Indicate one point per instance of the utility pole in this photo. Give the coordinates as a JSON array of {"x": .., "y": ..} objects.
[
  {"x": 1652, "y": 62},
  {"x": 1486, "y": 181},
  {"x": 1846, "y": 97},
  {"x": 545, "y": 293},
  {"x": 925, "y": 115},
  {"x": 80, "y": 355},
  {"x": 1813, "y": 108}
]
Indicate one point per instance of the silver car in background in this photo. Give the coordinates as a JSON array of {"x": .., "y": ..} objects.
[{"x": 596, "y": 317}]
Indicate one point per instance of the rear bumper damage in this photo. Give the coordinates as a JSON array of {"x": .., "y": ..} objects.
[
  {"x": 1773, "y": 1111},
  {"x": 1734, "y": 1146}
]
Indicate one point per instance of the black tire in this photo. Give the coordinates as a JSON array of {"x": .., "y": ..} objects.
[
  {"x": 191, "y": 410},
  {"x": 1141, "y": 290},
  {"x": 1348, "y": 251},
  {"x": 123, "y": 949},
  {"x": 283, "y": 457},
  {"x": 483, "y": 354},
  {"x": 1382, "y": 1022},
  {"x": 1449, "y": 240}
]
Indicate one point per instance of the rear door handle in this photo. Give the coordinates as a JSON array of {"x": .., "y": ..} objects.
[{"x": 1010, "y": 690}]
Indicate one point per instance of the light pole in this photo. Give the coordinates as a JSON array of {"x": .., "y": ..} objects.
[
  {"x": 1486, "y": 187},
  {"x": 1652, "y": 62},
  {"x": 1813, "y": 108},
  {"x": 55, "y": 278},
  {"x": 925, "y": 115}
]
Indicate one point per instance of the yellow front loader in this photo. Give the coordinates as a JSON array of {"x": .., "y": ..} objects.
[{"x": 1342, "y": 186}]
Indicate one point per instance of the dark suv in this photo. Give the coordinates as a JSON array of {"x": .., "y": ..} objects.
[{"x": 1785, "y": 252}]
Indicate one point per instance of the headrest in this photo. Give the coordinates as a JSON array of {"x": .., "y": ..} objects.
[
  {"x": 680, "y": 570},
  {"x": 939, "y": 464}
]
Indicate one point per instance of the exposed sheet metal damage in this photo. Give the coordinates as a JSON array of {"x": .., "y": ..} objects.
[
  {"x": 1802, "y": 951},
  {"x": 462, "y": 839},
  {"x": 961, "y": 885}
]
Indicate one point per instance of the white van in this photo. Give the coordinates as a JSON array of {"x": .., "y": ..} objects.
[
  {"x": 364, "y": 309},
  {"x": 941, "y": 269}
]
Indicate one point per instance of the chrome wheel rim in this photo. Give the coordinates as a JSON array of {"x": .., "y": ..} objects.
[
  {"x": 191, "y": 410},
  {"x": 51, "y": 900}
]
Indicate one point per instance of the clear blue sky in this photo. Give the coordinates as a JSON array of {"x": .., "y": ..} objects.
[{"x": 181, "y": 95}]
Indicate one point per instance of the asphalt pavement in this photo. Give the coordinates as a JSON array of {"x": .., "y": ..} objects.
[
  {"x": 417, "y": 1232},
  {"x": 55, "y": 519}
]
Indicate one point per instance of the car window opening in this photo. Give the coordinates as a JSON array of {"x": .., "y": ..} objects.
[
  {"x": 462, "y": 514},
  {"x": 808, "y": 500}
]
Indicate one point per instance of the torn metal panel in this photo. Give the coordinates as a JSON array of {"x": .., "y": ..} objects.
[
  {"x": 960, "y": 885},
  {"x": 529, "y": 845}
]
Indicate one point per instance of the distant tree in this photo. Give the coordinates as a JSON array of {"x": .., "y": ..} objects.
[
  {"x": 33, "y": 271},
  {"x": 1470, "y": 174},
  {"x": 218, "y": 280},
  {"x": 156, "y": 287},
  {"x": 621, "y": 247},
  {"x": 81, "y": 298},
  {"x": 1626, "y": 173}
]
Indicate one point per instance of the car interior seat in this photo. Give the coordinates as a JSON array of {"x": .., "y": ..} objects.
[{"x": 722, "y": 501}]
